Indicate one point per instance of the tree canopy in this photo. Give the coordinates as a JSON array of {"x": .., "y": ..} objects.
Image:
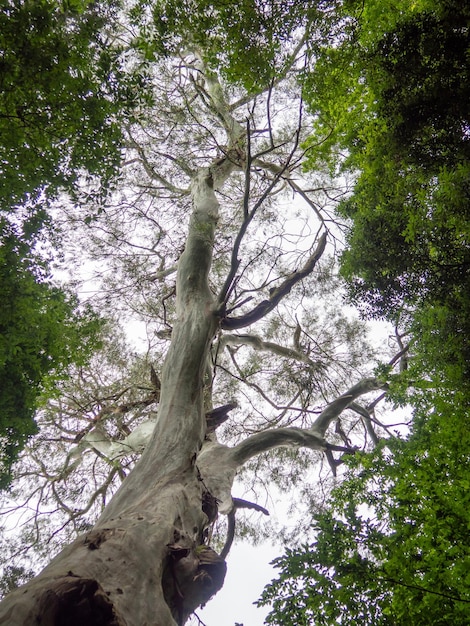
[
  {"x": 385, "y": 104},
  {"x": 42, "y": 332},
  {"x": 391, "y": 543},
  {"x": 60, "y": 78},
  {"x": 239, "y": 146},
  {"x": 64, "y": 93},
  {"x": 250, "y": 43}
]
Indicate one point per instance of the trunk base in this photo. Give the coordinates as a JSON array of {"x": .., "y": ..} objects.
[{"x": 75, "y": 601}]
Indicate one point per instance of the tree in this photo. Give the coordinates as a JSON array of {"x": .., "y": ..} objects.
[
  {"x": 64, "y": 92},
  {"x": 62, "y": 83},
  {"x": 386, "y": 107},
  {"x": 417, "y": 184},
  {"x": 392, "y": 548},
  {"x": 43, "y": 331},
  {"x": 211, "y": 169}
]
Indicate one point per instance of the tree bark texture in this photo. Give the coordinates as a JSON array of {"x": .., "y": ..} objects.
[{"x": 145, "y": 562}]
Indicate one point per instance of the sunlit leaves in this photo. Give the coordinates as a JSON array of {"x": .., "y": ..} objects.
[
  {"x": 243, "y": 38},
  {"x": 249, "y": 42}
]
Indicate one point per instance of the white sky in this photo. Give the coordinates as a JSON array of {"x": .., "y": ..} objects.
[{"x": 248, "y": 572}]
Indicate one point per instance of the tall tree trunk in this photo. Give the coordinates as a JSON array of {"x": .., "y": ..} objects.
[{"x": 145, "y": 561}]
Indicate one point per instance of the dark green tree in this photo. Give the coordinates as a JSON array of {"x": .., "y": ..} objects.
[
  {"x": 42, "y": 331},
  {"x": 391, "y": 546},
  {"x": 64, "y": 93},
  {"x": 61, "y": 93},
  {"x": 410, "y": 208},
  {"x": 383, "y": 100}
]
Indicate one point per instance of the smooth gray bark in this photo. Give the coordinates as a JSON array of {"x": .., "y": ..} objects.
[{"x": 146, "y": 562}]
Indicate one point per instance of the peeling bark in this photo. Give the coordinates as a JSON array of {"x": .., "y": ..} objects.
[{"x": 122, "y": 560}]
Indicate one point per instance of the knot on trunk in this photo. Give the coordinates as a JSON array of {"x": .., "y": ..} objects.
[
  {"x": 218, "y": 416},
  {"x": 95, "y": 538},
  {"x": 210, "y": 506},
  {"x": 197, "y": 574}
]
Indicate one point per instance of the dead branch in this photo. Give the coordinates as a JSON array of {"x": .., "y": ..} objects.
[
  {"x": 218, "y": 416},
  {"x": 238, "y": 503}
]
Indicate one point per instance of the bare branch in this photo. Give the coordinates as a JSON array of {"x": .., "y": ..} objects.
[
  {"x": 248, "y": 217},
  {"x": 278, "y": 437},
  {"x": 239, "y": 503},
  {"x": 246, "y": 192},
  {"x": 258, "y": 344},
  {"x": 335, "y": 408},
  {"x": 160, "y": 276},
  {"x": 401, "y": 357},
  {"x": 266, "y": 306},
  {"x": 218, "y": 416},
  {"x": 149, "y": 169},
  {"x": 366, "y": 418}
]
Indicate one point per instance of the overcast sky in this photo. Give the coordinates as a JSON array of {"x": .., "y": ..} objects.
[{"x": 247, "y": 574}]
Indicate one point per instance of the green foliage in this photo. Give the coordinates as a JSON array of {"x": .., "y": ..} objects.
[
  {"x": 409, "y": 239},
  {"x": 63, "y": 88},
  {"x": 248, "y": 41},
  {"x": 382, "y": 100},
  {"x": 337, "y": 84},
  {"x": 392, "y": 546},
  {"x": 42, "y": 331},
  {"x": 384, "y": 112},
  {"x": 408, "y": 242},
  {"x": 429, "y": 52}
]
